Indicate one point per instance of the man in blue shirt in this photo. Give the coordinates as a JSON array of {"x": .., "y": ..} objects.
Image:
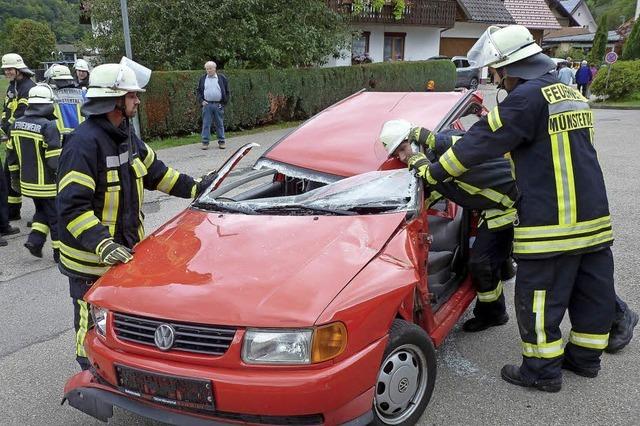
[
  {"x": 564, "y": 74},
  {"x": 213, "y": 95}
]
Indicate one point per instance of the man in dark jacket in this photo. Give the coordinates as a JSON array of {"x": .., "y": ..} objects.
[
  {"x": 213, "y": 94},
  {"x": 15, "y": 103},
  {"x": 103, "y": 171},
  {"x": 583, "y": 78}
]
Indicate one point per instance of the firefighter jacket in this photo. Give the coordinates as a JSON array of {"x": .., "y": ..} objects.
[
  {"x": 68, "y": 101},
  {"x": 15, "y": 102},
  {"x": 489, "y": 187},
  {"x": 548, "y": 129},
  {"x": 32, "y": 154},
  {"x": 102, "y": 175}
]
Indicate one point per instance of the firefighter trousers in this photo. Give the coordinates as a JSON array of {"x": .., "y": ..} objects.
[
  {"x": 545, "y": 289},
  {"x": 4, "y": 206},
  {"x": 490, "y": 251},
  {"x": 14, "y": 198},
  {"x": 45, "y": 221},
  {"x": 82, "y": 321}
]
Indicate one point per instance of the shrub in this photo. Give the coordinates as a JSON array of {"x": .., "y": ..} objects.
[
  {"x": 169, "y": 106},
  {"x": 624, "y": 80}
]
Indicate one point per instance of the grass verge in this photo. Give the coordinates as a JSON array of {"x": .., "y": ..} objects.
[{"x": 633, "y": 103}]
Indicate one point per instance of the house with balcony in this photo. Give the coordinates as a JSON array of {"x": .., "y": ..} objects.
[{"x": 414, "y": 36}]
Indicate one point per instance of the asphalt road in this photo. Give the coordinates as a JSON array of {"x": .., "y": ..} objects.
[{"x": 36, "y": 337}]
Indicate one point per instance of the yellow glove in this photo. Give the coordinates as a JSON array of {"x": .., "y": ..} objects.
[{"x": 420, "y": 164}]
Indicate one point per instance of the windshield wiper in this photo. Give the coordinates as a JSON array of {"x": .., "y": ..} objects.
[
  {"x": 297, "y": 207},
  {"x": 224, "y": 207}
]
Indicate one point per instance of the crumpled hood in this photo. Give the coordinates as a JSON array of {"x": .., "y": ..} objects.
[{"x": 239, "y": 270}]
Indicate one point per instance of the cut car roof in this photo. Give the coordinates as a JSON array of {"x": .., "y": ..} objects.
[{"x": 343, "y": 139}]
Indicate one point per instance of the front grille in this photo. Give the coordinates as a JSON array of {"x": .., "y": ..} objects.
[{"x": 204, "y": 339}]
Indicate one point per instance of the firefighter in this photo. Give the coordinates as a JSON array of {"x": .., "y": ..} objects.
[
  {"x": 103, "y": 171},
  {"x": 563, "y": 238},
  {"x": 19, "y": 76},
  {"x": 82, "y": 73},
  {"x": 495, "y": 202},
  {"x": 69, "y": 99},
  {"x": 32, "y": 155}
]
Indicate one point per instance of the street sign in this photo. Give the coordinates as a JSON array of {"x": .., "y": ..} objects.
[{"x": 611, "y": 57}]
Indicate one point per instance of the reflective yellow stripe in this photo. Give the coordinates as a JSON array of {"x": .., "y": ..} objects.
[
  {"x": 167, "y": 182},
  {"x": 112, "y": 176},
  {"x": 565, "y": 185},
  {"x": 110, "y": 209},
  {"x": 491, "y": 296},
  {"x": 83, "y": 326},
  {"x": 549, "y": 231},
  {"x": 425, "y": 174},
  {"x": 591, "y": 341},
  {"x": 79, "y": 267},
  {"x": 560, "y": 92},
  {"x": 14, "y": 200},
  {"x": 52, "y": 153},
  {"x": 572, "y": 120},
  {"x": 546, "y": 350},
  {"x": 84, "y": 256},
  {"x": 499, "y": 221},
  {"x": 451, "y": 164},
  {"x": 489, "y": 193},
  {"x": 431, "y": 140},
  {"x": 14, "y": 168},
  {"x": 38, "y": 186},
  {"x": 40, "y": 193},
  {"x": 194, "y": 190},
  {"x": 538, "y": 309},
  {"x": 532, "y": 247},
  {"x": 79, "y": 178},
  {"x": 150, "y": 158},
  {"x": 139, "y": 168},
  {"x": 55, "y": 244},
  {"x": 494, "y": 119},
  {"x": 40, "y": 227},
  {"x": 81, "y": 223}
]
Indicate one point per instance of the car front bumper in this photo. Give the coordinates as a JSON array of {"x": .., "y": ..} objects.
[{"x": 341, "y": 393}]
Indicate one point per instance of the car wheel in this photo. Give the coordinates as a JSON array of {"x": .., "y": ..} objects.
[
  {"x": 406, "y": 377},
  {"x": 473, "y": 84}
]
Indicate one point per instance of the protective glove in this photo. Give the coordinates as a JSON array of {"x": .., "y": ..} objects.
[
  {"x": 111, "y": 253},
  {"x": 15, "y": 185},
  {"x": 420, "y": 164},
  {"x": 423, "y": 137},
  {"x": 204, "y": 182}
]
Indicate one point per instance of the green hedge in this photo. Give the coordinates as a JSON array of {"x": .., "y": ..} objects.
[
  {"x": 624, "y": 81},
  {"x": 259, "y": 97}
]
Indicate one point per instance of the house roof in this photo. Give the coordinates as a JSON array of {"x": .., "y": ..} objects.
[
  {"x": 487, "y": 11},
  {"x": 566, "y": 31},
  {"x": 613, "y": 36},
  {"x": 570, "y": 5},
  {"x": 533, "y": 14}
]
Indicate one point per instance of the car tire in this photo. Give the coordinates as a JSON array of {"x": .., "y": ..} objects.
[
  {"x": 473, "y": 84},
  {"x": 406, "y": 377}
]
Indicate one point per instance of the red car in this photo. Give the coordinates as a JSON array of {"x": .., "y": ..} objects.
[{"x": 311, "y": 290}]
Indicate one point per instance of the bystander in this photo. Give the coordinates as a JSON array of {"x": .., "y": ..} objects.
[{"x": 213, "y": 95}]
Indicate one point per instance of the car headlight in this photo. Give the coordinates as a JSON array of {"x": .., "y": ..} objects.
[
  {"x": 297, "y": 346},
  {"x": 99, "y": 316}
]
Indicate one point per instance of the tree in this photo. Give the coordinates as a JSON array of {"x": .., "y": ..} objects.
[
  {"x": 631, "y": 49},
  {"x": 167, "y": 34},
  {"x": 600, "y": 40},
  {"x": 32, "y": 40}
]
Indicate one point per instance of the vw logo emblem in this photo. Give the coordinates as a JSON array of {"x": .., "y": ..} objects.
[
  {"x": 164, "y": 337},
  {"x": 403, "y": 385}
]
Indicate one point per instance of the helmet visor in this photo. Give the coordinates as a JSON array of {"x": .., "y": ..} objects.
[
  {"x": 484, "y": 52},
  {"x": 143, "y": 74}
]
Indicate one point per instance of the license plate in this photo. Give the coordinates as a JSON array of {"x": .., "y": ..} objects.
[{"x": 180, "y": 392}]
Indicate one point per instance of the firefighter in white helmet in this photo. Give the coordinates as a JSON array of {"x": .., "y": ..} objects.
[
  {"x": 32, "y": 155},
  {"x": 81, "y": 68},
  {"x": 69, "y": 98},
  {"x": 563, "y": 238},
  {"x": 15, "y": 103},
  {"x": 102, "y": 174}
]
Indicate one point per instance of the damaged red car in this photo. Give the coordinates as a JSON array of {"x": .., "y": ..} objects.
[{"x": 313, "y": 289}]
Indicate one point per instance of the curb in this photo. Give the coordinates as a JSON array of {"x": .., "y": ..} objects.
[{"x": 621, "y": 107}]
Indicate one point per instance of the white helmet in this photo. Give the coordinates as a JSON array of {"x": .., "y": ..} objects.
[
  {"x": 393, "y": 133},
  {"x": 41, "y": 94},
  {"x": 112, "y": 81},
  {"x": 13, "y": 60},
  {"x": 59, "y": 72},
  {"x": 504, "y": 47},
  {"x": 81, "y": 65}
]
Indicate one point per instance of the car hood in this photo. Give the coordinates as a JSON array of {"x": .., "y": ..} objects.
[{"x": 227, "y": 269}]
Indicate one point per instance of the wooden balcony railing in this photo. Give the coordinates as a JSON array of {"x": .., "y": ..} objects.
[{"x": 433, "y": 13}]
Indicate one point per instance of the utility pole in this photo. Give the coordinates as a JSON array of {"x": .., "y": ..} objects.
[
  {"x": 637, "y": 8},
  {"x": 127, "y": 51}
]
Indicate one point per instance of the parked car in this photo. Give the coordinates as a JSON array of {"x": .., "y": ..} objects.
[
  {"x": 467, "y": 75},
  {"x": 312, "y": 290}
]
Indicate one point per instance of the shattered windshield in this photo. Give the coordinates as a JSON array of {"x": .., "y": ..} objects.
[{"x": 367, "y": 193}]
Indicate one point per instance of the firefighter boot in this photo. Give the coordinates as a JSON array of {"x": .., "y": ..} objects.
[
  {"x": 622, "y": 331},
  {"x": 3, "y": 242},
  {"x": 9, "y": 230},
  {"x": 482, "y": 323},
  {"x": 33, "y": 249},
  {"x": 511, "y": 373}
]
